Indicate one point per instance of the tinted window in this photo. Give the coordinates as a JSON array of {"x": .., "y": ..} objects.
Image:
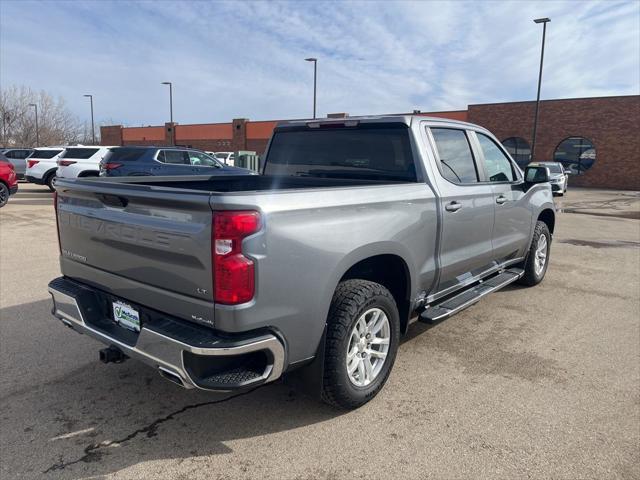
[
  {"x": 177, "y": 157},
  {"x": 577, "y": 154},
  {"x": 377, "y": 152},
  {"x": 455, "y": 155},
  {"x": 45, "y": 153},
  {"x": 124, "y": 154},
  {"x": 80, "y": 153},
  {"x": 201, "y": 160},
  {"x": 498, "y": 166}
]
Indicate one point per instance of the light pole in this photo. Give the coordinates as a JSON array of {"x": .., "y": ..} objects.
[
  {"x": 170, "y": 109},
  {"x": 544, "y": 22},
  {"x": 37, "y": 132},
  {"x": 315, "y": 78},
  {"x": 93, "y": 132}
]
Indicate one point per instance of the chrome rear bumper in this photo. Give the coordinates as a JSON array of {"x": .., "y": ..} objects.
[{"x": 167, "y": 354}]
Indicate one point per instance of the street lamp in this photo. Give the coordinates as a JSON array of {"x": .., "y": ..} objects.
[
  {"x": 315, "y": 77},
  {"x": 544, "y": 22},
  {"x": 170, "y": 108},
  {"x": 93, "y": 132},
  {"x": 37, "y": 133}
]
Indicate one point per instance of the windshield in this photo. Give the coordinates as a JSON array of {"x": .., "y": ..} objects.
[
  {"x": 554, "y": 167},
  {"x": 371, "y": 151}
]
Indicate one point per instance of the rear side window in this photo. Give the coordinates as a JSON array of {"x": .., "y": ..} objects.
[
  {"x": 456, "y": 160},
  {"x": 377, "y": 152},
  {"x": 176, "y": 157},
  {"x": 499, "y": 168},
  {"x": 79, "y": 153},
  {"x": 124, "y": 154},
  {"x": 45, "y": 153}
]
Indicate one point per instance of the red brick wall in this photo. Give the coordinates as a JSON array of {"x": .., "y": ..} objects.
[
  {"x": 611, "y": 123},
  {"x": 111, "y": 135}
]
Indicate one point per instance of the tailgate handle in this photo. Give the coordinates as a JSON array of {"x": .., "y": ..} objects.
[{"x": 114, "y": 200}]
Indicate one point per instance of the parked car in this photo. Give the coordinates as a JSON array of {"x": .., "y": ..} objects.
[
  {"x": 127, "y": 161},
  {"x": 18, "y": 157},
  {"x": 8, "y": 180},
  {"x": 228, "y": 158},
  {"x": 42, "y": 165},
  {"x": 355, "y": 228},
  {"x": 81, "y": 161},
  {"x": 558, "y": 176}
]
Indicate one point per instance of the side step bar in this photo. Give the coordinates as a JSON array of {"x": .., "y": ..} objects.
[{"x": 466, "y": 298}]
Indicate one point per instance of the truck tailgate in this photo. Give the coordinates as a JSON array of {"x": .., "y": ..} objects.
[{"x": 139, "y": 233}]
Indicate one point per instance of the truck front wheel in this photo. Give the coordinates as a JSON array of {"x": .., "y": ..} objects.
[
  {"x": 537, "y": 261},
  {"x": 361, "y": 343}
]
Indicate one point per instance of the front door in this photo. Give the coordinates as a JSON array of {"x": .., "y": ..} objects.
[
  {"x": 467, "y": 207},
  {"x": 512, "y": 224}
]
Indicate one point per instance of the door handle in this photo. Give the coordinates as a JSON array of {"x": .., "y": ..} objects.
[
  {"x": 501, "y": 199},
  {"x": 453, "y": 206}
]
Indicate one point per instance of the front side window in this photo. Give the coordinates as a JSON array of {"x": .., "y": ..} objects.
[
  {"x": 198, "y": 159},
  {"x": 519, "y": 150},
  {"x": 174, "y": 157},
  {"x": 498, "y": 166},
  {"x": 456, "y": 159}
]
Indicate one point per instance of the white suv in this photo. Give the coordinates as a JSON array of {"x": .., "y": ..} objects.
[
  {"x": 42, "y": 165},
  {"x": 81, "y": 161}
]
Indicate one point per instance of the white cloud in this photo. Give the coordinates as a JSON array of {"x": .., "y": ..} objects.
[{"x": 245, "y": 59}]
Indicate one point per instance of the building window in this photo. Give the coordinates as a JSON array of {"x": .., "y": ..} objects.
[
  {"x": 577, "y": 154},
  {"x": 519, "y": 150}
]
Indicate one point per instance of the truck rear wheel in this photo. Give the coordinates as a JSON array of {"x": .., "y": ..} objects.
[{"x": 361, "y": 343}]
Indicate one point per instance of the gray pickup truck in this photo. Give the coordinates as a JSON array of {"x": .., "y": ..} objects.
[{"x": 356, "y": 228}]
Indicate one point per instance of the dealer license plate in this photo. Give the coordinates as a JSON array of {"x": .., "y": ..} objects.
[{"x": 126, "y": 316}]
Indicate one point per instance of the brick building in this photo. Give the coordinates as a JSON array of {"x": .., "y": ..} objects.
[{"x": 598, "y": 139}]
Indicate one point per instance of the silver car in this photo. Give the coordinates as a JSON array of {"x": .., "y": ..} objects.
[
  {"x": 18, "y": 157},
  {"x": 558, "y": 176}
]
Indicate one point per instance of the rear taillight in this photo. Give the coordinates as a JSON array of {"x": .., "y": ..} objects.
[
  {"x": 55, "y": 208},
  {"x": 65, "y": 163},
  {"x": 11, "y": 166},
  {"x": 233, "y": 273},
  {"x": 32, "y": 163},
  {"x": 110, "y": 166}
]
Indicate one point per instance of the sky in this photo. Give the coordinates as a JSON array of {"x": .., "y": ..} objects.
[{"x": 246, "y": 59}]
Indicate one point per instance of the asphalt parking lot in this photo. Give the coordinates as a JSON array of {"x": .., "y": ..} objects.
[{"x": 528, "y": 383}]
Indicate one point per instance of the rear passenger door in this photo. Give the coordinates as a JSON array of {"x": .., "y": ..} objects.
[
  {"x": 512, "y": 223},
  {"x": 467, "y": 209},
  {"x": 172, "y": 162}
]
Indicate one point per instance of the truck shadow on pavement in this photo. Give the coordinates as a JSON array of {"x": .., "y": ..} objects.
[{"x": 94, "y": 419}]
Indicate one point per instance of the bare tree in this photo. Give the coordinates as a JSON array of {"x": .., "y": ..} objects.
[{"x": 56, "y": 124}]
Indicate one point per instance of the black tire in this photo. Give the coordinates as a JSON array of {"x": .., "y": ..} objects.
[
  {"x": 4, "y": 194},
  {"x": 49, "y": 181},
  {"x": 351, "y": 300},
  {"x": 531, "y": 277}
]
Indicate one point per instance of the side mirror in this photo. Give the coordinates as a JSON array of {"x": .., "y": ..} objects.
[
  {"x": 567, "y": 172},
  {"x": 536, "y": 175}
]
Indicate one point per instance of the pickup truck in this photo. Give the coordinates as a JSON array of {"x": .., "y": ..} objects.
[{"x": 356, "y": 228}]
